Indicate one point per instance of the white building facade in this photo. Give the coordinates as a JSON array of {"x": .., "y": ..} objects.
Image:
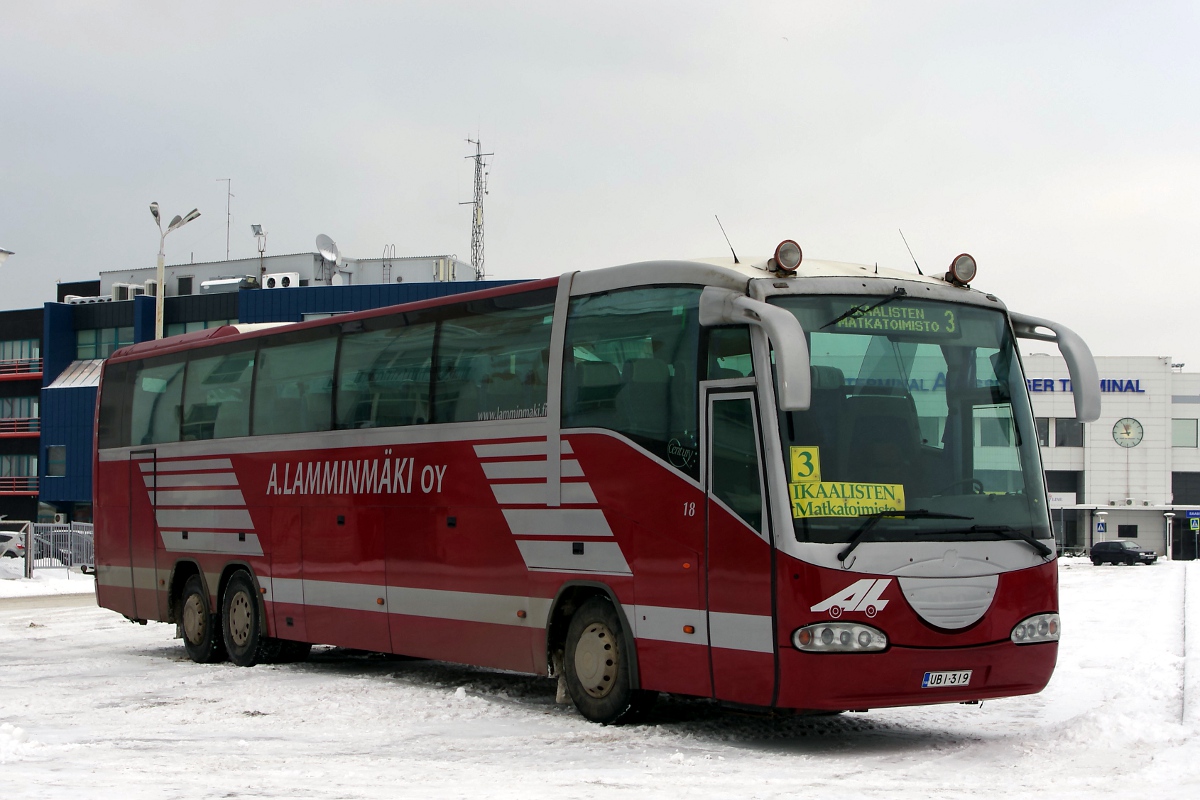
[{"x": 1133, "y": 474}]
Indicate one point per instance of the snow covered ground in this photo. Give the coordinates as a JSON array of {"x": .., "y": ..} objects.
[
  {"x": 44, "y": 582},
  {"x": 95, "y": 707}
]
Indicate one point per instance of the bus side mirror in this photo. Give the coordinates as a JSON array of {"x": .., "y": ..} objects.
[
  {"x": 794, "y": 383},
  {"x": 1085, "y": 380}
]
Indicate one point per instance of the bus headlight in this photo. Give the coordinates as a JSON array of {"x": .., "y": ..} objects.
[
  {"x": 839, "y": 637},
  {"x": 1035, "y": 629}
]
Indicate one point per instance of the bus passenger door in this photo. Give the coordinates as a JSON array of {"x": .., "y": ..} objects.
[
  {"x": 739, "y": 563},
  {"x": 143, "y": 533}
]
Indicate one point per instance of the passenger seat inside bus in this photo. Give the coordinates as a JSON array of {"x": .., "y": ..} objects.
[
  {"x": 882, "y": 439},
  {"x": 591, "y": 395},
  {"x": 644, "y": 399}
]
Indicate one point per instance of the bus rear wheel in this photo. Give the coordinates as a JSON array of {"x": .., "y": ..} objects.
[
  {"x": 201, "y": 632},
  {"x": 596, "y": 666},
  {"x": 242, "y": 624}
]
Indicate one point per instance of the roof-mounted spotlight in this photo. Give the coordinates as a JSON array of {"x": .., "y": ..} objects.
[
  {"x": 787, "y": 258},
  {"x": 962, "y": 270}
]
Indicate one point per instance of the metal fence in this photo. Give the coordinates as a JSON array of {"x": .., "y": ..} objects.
[{"x": 62, "y": 545}]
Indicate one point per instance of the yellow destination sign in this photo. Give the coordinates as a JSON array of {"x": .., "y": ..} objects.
[{"x": 838, "y": 499}]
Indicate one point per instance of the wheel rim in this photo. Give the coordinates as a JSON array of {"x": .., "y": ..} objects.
[
  {"x": 240, "y": 616},
  {"x": 596, "y": 660},
  {"x": 195, "y": 619}
]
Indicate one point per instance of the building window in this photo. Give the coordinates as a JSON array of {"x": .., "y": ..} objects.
[
  {"x": 18, "y": 407},
  {"x": 1068, "y": 433},
  {"x": 1185, "y": 488},
  {"x": 92, "y": 343},
  {"x": 1183, "y": 433},
  {"x": 185, "y": 285},
  {"x": 20, "y": 350},
  {"x": 56, "y": 461},
  {"x": 18, "y": 466},
  {"x": 1042, "y": 426},
  {"x": 1127, "y": 531}
]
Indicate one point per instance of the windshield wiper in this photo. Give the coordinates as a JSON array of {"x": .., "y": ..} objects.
[
  {"x": 870, "y": 520},
  {"x": 895, "y": 295},
  {"x": 1004, "y": 531}
]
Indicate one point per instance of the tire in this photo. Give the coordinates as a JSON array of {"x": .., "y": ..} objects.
[
  {"x": 596, "y": 666},
  {"x": 200, "y": 627},
  {"x": 1097, "y": 562},
  {"x": 243, "y": 625}
]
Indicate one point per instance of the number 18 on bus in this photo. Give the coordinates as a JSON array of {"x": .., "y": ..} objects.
[{"x": 792, "y": 484}]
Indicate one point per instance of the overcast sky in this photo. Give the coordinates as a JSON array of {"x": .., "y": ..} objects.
[{"x": 1055, "y": 141}]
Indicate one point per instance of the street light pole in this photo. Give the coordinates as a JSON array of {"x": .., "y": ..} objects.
[
  {"x": 1169, "y": 516},
  {"x": 161, "y": 290}
]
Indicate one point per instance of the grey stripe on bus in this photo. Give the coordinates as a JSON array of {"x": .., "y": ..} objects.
[
  {"x": 748, "y": 632},
  {"x": 223, "y": 542},
  {"x": 527, "y": 494},
  {"x": 212, "y": 480},
  {"x": 201, "y": 497},
  {"x": 500, "y": 470},
  {"x": 190, "y": 465},
  {"x": 186, "y": 519},
  {"x": 515, "y": 449},
  {"x": 557, "y": 522},
  {"x": 597, "y": 557}
]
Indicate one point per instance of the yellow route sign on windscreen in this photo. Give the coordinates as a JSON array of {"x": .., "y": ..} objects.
[
  {"x": 844, "y": 499},
  {"x": 804, "y": 464}
]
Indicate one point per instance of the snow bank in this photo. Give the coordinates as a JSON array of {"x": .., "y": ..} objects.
[{"x": 58, "y": 580}]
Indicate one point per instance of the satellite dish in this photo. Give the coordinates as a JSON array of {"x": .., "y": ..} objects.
[
  {"x": 327, "y": 248},
  {"x": 337, "y": 279}
]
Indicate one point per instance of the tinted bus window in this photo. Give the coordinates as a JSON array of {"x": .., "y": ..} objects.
[
  {"x": 383, "y": 376},
  {"x": 630, "y": 366},
  {"x": 293, "y": 384},
  {"x": 492, "y": 361},
  {"x": 216, "y": 398},
  {"x": 113, "y": 419},
  {"x": 157, "y": 387}
]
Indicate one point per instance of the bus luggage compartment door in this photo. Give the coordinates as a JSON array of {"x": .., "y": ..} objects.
[{"x": 740, "y": 622}]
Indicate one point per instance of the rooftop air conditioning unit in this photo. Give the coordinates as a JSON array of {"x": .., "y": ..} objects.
[
  {"x": 127, "y": 291},
  {"x": 60, "y": 519},
  {"x": 81, "y": 300},
  {"x": 1128, "y": 501},
  {"x": 151, "y": 287},
  {"x": 281, "y": 280}
]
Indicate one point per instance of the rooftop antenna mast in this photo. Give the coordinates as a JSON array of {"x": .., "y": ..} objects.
[
  {"x": 228, "y": 216},
  {"x": 910, "y": 254},
  {"x": 481, "y": 177}
]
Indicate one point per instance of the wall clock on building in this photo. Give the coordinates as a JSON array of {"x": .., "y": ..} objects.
[{"x": 1127, "y": 432}]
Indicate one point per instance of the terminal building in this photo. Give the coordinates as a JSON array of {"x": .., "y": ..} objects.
[{"x": 1134, "y": 474}]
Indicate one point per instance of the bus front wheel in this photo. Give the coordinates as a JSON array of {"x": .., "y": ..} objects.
[
  {"x": 201, "y": 632},
  {"x": 597, "y": 668}
]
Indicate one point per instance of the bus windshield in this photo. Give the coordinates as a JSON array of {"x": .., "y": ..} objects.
[{"x": 918, "y": 407}]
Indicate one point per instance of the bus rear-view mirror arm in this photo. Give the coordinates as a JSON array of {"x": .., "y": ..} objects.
[
  {"x": 726, "y": 307},
  {"x": 1085, "y": 380}
]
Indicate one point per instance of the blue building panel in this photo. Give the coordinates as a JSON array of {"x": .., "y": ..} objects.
[
  {"x": 68, "y": 417},
  {"x": 290, "y": 305},
  {"x": 58, "y": 340}
]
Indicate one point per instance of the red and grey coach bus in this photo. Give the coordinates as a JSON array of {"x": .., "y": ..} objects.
[{"x": 805, "y": 486}]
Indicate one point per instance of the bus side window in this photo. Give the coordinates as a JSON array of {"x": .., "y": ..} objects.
[
  {"x": 383, "y": 376},
  {"x": 491, "y": 359},
  {"x": 157, "y": 387},
  {"x": 729, "y": 354},
  {"x": 631, "y": 367},
  {"x": 216, "y": 397},
  {"x": 115, "y": 411},
  {"x": 293, "y": 384}
]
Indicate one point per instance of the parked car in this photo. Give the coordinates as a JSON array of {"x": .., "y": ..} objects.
[
  {"x": 12, "y": 545},
  {"x": 1121, "y": 553}
]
